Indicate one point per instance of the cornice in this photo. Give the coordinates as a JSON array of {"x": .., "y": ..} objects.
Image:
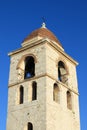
[
  {"x": 40, "y": 76},
  {"x": 62, "y": 52},
  {"x": 49, "y": 42},
  {"x": 25, "y": 47}
]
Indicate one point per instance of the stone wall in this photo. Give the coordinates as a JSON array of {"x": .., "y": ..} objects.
[{"x": 43, "y": 113}]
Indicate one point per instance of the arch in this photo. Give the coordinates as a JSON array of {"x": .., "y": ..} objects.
[
  {"x": 21, "y": 94},
  {"x": 21, "y": 66},
  {"x": 34, "y": 90},
  {"x": 62, "y": 72},
  {"x": 56, "y": 93},
  {"x": 29, "y": 126},
  {"x": 29, "y": 67},
  {"x": 69, "y": 100}
]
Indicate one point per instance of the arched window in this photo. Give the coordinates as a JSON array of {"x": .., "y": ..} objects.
[
  {"x": 62, "y": 72},
  {"x": 69, "y": 100},
  {"x": 21, "y": 94},
  {"x": 29, "y": 67},
  {"x": 29, "y": 126},
  {"x": 56, "y": 93},
  {"x": 34, "y": 90}
]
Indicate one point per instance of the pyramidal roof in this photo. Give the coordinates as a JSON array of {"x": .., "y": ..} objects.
[{"x": 44, "y": 33}]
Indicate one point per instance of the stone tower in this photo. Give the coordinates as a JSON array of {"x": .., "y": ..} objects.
[{"x": 43, "y": 91}]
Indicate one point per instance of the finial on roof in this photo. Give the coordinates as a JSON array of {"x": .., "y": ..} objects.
[{"x": 43, "y": 25}]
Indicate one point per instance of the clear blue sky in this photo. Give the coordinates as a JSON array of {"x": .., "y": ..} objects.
[{"x": 66, "y": 18}]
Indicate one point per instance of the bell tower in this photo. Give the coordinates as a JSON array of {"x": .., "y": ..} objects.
[{"x": 43, "y": 90}]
